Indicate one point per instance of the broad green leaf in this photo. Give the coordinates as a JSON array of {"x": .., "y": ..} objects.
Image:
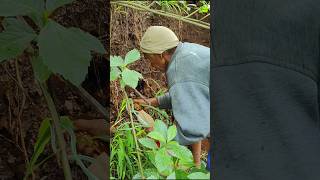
[
  {"x": 132, "y": 56},
  {"x": 114, "y": 73},
  {"x": 147, "y": 142},
  {"x": 185, "y": 165},
  {"x": 157, "y": 136},
  {"x": 161, "y": 127},
  {"x": 179, "y": 151},
  {"x": 15, "y": 38},
  {"x": 199, "y": 175},
  {"x": 20, "y": 7},
  {"x": 172, "y": 176},
  {"x": 54, "y": 4},
  {"x": 116, "y": 61},
  {"x": 151, "y": 157},
  {"x": 180, "y": 174},
  {"x": 172, "y": 132},
  {"x": 41, "y": 71},
  {"x": 163, "y": 162},
  {"x": 67, "y": 51},
  {"x": 131, "y": 77}
]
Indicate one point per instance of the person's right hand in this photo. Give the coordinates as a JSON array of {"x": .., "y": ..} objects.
[{"x": 149, "y": 101}]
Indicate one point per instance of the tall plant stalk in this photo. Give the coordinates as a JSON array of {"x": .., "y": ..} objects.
[
  {"x": 59, "y": 134},
  {"x": 128, "y": 106}
]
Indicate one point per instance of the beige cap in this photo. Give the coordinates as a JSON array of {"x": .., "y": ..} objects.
[{"x": 158, "y": 39}]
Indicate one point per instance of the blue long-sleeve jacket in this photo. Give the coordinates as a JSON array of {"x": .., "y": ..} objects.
[{"x": 188, "y": 96}]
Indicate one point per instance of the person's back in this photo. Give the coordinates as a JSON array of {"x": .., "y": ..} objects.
[
  {"x": 188, "y": 80},
  {"x": 265, "y": 90},
  {"x": 191, "y": 63}
]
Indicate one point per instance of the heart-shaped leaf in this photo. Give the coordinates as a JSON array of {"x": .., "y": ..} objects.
[
  {"x": 67, "y": 51},
  {"x": 15, "y": 38}
]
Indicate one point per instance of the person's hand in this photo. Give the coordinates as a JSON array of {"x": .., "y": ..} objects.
[{"x": 149, "y": 101}]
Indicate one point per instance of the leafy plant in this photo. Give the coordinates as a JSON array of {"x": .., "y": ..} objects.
[
  {"x": 66, "y": 51},
  {"x": 44, "y": 135},
  {"x": 169, "y": 159},
  {"x": 123, "y": 158},
  {"x": 55, "y": 49},
  {"x": 119, "y": 69},
  {"x": 205, "y": 7}
]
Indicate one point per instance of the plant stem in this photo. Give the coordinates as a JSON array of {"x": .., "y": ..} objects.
[
  {"x": 94, "y": 102},
  {"x": 134, "y": 134},
  {"x": 20, "y": 114},
  {"x": 60, "y": 138}
]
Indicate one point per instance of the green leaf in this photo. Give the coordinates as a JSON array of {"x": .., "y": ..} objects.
[
  {"x": 172, "y": 176},
  {"x": 180, "y": 174},
  {"x": 67, "y": 51},
  {"x": 15, "y": 38},
  {"x": 41, "y": 71},
  {"x": 163, "y": 162},
  {"x": 152, "y": 177},
  {"x": 114, "y": 73},
  {"x": 131, "y": 77},
  {"x": 54, "y": 4},
  {"x": 66, "y": 123},
  {"x": 199, "y": 175},
  {"x": 179, "y": 151},
  {"x": 20, "y": 7},
  {"x": 122, "y": 84},
  {"x": 42, "y": 140},
  {"x": 116, "y": 61},
  {"x": 157, "y": 136},
  {"x": 147, "y": 142},
  {"x": 132, "y": 56},
  {"x": 161, "y": 127},
  {"x": 150, "y": 173},
  {"x": 172, "y": 132}
]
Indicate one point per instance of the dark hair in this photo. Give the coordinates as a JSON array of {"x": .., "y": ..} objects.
[{"x": 170, "y": 51}]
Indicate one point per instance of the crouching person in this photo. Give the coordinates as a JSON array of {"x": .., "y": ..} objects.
[{"x": 187, "y": 69}]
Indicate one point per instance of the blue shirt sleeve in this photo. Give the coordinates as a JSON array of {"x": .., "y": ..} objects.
[{"x": 164, "y": 101}]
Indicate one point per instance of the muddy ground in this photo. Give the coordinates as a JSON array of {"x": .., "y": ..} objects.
[{"x": 23, "y": 109}]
